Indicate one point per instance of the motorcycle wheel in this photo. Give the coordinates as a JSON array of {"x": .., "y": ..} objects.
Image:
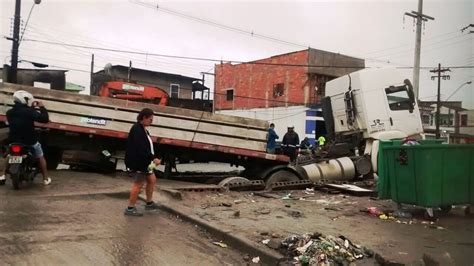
[{"x": 16, "y": 181}]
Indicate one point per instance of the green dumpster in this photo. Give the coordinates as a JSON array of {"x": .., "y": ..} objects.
[{"x": 428, "y": 175}]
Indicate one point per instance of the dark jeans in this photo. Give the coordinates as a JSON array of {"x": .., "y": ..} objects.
[{"x": 290, "y": 152}]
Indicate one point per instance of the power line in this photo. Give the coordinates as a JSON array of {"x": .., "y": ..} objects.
[
  {"x": 210, "y": 59},
  {"x": 182, "y": 57},
  {"x": 215, "y": 24}
]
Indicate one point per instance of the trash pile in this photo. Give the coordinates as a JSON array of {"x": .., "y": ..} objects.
[{"x": 316, "y": 249}]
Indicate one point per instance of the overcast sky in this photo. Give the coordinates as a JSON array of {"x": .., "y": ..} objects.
[{"x": 374, "y": 30}]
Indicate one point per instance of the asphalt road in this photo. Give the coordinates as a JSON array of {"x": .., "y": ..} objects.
[{"x": 79, "y": 220}]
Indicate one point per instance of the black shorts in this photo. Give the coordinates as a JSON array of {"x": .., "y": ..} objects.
[{"x": 138, "y": 176}]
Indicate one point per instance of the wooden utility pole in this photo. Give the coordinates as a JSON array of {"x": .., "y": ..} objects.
[
  {"x": 420, "y": 18},
  {"x": 129, "y": 71},
  {"x": 438, "y": 101},
  {"x": 16, "y": 42},
  {"x": 92, "y": 74}
]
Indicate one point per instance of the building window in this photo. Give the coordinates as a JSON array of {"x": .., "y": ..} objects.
[
  {"x": 464, "y": 120},
  {"x": 425, "y": 119},
  {"x": 278, "y": 90},
  {"x": 229, "y": 95},
  {"x": 174, "y": 91}
]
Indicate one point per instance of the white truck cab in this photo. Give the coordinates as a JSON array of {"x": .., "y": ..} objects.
[{"x": 379, "y": 103}]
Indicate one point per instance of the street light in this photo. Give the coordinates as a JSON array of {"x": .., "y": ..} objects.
[
  {"x": 465, "y": 83},
  {"x": 16, "y": 39}
]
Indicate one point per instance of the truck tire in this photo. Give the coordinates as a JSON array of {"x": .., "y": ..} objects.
[
  {"x": 16, "y": 180},
  {"x": 280, "y": 176}
]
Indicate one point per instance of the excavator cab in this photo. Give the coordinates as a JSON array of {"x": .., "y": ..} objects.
[{"x": 134, "y": 92}]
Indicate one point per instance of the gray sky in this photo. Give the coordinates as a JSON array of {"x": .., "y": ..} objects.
[{"x": 374, "y": 30}]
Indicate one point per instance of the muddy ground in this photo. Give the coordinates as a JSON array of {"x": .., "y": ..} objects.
[{"x": 78, "y": 220}]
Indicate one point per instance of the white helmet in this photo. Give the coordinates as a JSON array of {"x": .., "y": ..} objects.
[{"x": 23, "y": 97}]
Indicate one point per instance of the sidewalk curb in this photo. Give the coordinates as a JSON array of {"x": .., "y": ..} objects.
[{"x": 267, "y": 257}]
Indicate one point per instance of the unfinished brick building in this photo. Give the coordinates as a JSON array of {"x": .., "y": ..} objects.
[{"x": 281, "y": 80}]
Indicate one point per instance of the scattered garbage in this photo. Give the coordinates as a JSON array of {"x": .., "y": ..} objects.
[
  {"x": 373, "y": 211},
  {"x": 402, "y": 214},
  {"x": 287, "y": 197},
  {"x": 220, "y": 244},
  {"x": 266, "y": 241},
  {"x": 256, "y": 259},
  {"x": 226, "y": 204},
  {"x": 316, "y": 249}
]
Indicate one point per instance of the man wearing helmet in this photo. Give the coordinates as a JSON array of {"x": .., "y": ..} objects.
[{"x": 21, "y": 121}]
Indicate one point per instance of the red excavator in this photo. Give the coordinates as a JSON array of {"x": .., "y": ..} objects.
[{"x": 134, "y": 92}]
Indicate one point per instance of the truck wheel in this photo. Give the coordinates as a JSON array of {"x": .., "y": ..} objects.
[
  {"x": 16, "y": 181},
  {"x": 280, "y": 176}
]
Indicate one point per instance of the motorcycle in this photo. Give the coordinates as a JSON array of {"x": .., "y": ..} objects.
[{"x": 21, "y": 164}]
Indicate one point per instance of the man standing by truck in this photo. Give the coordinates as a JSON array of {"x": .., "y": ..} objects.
[
  {"x": 290, "y": 143},
  {"x": 272, "y": 136}
]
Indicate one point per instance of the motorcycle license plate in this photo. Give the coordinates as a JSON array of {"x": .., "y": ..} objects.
[{"x": 15, "y": 159}]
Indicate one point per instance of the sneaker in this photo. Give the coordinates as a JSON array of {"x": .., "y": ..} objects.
[
  {"x": 151, "y": 207},
  {"x": 132, "y": 212},
  {"x": 47, "y": 181}
]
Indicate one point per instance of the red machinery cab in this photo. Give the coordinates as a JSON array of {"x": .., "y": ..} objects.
[{"x": 134, "y": 92}]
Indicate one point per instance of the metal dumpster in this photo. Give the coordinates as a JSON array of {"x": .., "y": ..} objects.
[{"x": 428, "y": 175}]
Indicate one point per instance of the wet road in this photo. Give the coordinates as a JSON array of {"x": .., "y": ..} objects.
[{"x": 41, "y": 226}]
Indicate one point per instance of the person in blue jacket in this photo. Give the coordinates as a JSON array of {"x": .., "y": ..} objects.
[{"x": 272, "y": 136}]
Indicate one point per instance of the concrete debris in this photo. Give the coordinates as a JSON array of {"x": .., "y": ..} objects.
[
  {"x": 264, "y": 211},
  {"x": 266, "y": 241},
  {"x": 316, "y": 249},
  {"x": 274, "y": 244},
  {"x": 220, "y": 244},
  {"x": 237, "y": 214},
  {"x": 275, "y": 235},
  {"x": 256, "y": 259}
]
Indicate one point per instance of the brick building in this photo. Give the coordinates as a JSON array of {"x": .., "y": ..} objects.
[{"x": 295, "y": 78}]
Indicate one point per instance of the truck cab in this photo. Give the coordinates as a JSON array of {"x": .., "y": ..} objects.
[{"x": 377, "y": 104}]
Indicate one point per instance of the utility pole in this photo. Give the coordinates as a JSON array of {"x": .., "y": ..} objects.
[
  {"x": 420, "y": 18},
  {"x": 438, "y": 100},
  {"x": 92, "y": 75},
  {"x": 129, "y": 71},
  {"x": 16, "y": 43}
]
